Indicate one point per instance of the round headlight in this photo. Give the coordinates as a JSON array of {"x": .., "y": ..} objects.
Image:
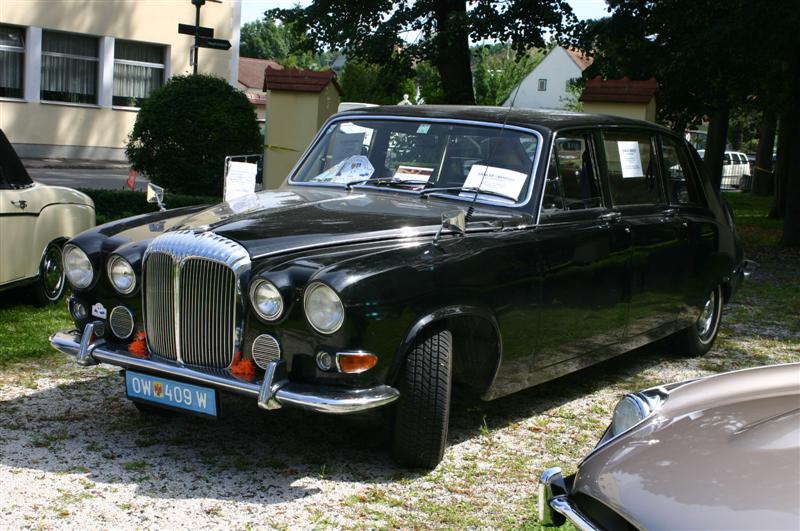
[
  {"x": 121, "y": 274},
  {"x": 77, "y": 267},
  {"x": 630, "y": 411},
  {"x": 266, "y": 300},
  {"x": 324, "y": 309}
]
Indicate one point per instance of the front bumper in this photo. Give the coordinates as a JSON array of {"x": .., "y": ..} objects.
[
  {"x": 273, "y": 392},
  {"x": 555, "y": 505}
]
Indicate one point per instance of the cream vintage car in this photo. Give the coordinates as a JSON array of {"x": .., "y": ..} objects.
[{"x": 35, "y": 221}]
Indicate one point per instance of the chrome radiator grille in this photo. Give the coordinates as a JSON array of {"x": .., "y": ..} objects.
[{"x": 192, "y": 297}]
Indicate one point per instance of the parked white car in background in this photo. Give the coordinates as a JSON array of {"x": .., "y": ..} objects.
[
  {"x": 35, "y": 221},
  {"x": 735, "y": 167}
]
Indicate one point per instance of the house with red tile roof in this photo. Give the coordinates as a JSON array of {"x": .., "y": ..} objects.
[
  {"x": 625, "y": 97},
  {"x": 251, "y": 82}
]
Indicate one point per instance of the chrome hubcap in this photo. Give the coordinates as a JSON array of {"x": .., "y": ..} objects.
[
  {"x": 706, "y": 320},
  {"x": 52, "y": 272}
]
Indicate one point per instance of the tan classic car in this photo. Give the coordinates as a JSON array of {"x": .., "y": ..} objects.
[
  {"x": 35, "y": 221},
  {"x": 722, "y": 452}
]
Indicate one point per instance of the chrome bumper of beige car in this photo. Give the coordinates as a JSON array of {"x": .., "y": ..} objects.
[
  {"x": 555, "y": 505},
  {"x": 273, "y": 392}
]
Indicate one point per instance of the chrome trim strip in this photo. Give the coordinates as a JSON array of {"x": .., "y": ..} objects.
[
  {"x": 278, "y": 391},
  {"x": 353, "y": 117},
  {"x": 555, "y": 504}
]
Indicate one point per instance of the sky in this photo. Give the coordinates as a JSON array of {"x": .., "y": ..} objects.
[{"x": 254, "y": 9}]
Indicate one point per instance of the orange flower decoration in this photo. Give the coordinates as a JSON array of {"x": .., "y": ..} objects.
[
  {"x": 138, "y": 347},
  {"x": 243, "y": 368}
]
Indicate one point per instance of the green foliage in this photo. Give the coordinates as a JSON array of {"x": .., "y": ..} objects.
[
  {"x": 572, "y": 101},
  {"x": 111, "y": 205},
  {"x": 283, "y": 43},
  {"x": 498, "y": 70},
  {"x": 430, "y": 83},
  {"x": 376, "y": 33},
  {"x": 369, "y": 83},
  {"x": 185, "y": 129}
]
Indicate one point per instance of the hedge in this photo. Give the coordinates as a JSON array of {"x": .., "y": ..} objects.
[{"x": 111, "y": 205}]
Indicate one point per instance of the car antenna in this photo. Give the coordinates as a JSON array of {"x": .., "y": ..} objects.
[{"x": 471, "y": 208}]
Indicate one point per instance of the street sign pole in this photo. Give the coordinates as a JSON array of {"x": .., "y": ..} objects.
[{"x": 197, "y": 5}]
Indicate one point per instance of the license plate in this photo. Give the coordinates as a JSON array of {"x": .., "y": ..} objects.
[{"x": 169, "y": 393}]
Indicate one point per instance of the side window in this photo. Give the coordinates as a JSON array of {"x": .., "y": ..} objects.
[
  {"x": 631, "y": 168},
  {"x": 572, "y": 181},
  {"x": 681, "y": 182}
]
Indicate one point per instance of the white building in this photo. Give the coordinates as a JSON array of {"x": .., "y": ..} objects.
[{"x": 546, "y": 85}]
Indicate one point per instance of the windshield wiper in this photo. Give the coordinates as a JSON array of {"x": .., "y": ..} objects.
[
  {"x": 468, "y": 189},
  {"x": 385, "y": 181}
]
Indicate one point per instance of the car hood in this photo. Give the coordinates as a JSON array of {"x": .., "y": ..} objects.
[
  {"x": 296, "y": 218},
  {"x": 722, "y": 452}
]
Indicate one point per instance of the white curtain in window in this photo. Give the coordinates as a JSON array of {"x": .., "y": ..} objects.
[
  {"x": 10, "y": 71},
  {"x": 135, "y": 81},
  {"x": 69, "y": 67}
]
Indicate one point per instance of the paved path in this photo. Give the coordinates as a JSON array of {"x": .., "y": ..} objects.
[{"x": 112, "y": 178}]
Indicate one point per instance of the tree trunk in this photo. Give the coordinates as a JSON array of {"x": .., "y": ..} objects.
[
  {"x": 715, "y": 145},
  {"x": 452, "y": 51},
  {"x": 791, "y": 218},
  {"x": 763, "y": 173},
  {"x": 787, "y": 130}
]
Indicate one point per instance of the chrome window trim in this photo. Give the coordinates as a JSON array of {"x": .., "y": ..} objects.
[
  {"x": 353, "y": 117},
  {"x": 177, "y": 245}
]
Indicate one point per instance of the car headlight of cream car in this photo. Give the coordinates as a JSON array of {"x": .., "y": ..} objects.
[
  {"x": 266, "y": 299},
  {"x": 323, "y": 307},
  {"x": 121, "y": 275},
  {"x": 77, "y": 267}
]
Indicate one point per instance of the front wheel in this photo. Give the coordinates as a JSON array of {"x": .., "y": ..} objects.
[
  {"x": 698, "y": 338},
  {"x": 50, "y": 284},
  {"x": 423, "y": 410}
]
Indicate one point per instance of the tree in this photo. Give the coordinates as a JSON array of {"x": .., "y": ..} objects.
[
  {"x": 498, "y": 70},
  {"x": 375, "y": 32},
  {"x": 263, "y": 39},
  {"x": 697, "y": 51},
  {"x": 186, "y": 128},
  {"x": 369, "y": 83}
]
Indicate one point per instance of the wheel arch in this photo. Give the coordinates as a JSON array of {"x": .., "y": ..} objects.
[{"x": 477, "y": 344}]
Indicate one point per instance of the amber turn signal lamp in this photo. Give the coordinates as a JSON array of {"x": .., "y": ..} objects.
[{"x": 355, "y": 362}]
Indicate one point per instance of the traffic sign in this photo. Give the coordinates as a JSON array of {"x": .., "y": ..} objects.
[
  {"x": 186, "y": 29},
  {"x": 214, "y": 44}
]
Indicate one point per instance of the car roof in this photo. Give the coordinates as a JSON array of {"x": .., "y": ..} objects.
[{"x": 531, "y": 118}]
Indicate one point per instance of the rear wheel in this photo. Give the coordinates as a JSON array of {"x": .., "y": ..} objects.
[
  {"x": 698, "y": 338},
  {"x": 50, "y": 284},
  {"x": 423, "y": 410}
]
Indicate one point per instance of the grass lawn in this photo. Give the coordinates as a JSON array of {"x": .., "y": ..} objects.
[{"x": 24, "y": 329}]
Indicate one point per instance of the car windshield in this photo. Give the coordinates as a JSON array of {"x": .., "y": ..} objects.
[{"x": 448, "y": 158}]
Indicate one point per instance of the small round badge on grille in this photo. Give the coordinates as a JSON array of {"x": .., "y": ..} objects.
[
  {"x": 265, "y": 350},
  {"x": 121, "y": 322}
]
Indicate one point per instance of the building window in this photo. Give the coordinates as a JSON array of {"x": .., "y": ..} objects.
[
  {"x": 542, "y": 85},
  {"x": 12, "y": 61},
  {"x": 138, "y": 71},
  {"x": 69, "y": 67}
]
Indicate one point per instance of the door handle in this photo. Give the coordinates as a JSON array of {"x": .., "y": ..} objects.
[{"x": 610, "y": 216}]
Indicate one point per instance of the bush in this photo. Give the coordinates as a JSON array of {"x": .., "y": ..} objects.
[
  {"x": 111, "y": 205},
  {"x": 185, "y": 129}
]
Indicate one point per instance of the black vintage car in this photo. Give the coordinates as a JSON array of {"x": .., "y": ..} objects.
[{"x": 412, "y": 248}]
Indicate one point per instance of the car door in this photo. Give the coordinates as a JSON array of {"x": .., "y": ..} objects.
[
  {"x": 658, "y": 248},
  {"x": 583, "y": 250},
  {"x": 685, "y": 195},
  {"x": 19, "y": 208}
]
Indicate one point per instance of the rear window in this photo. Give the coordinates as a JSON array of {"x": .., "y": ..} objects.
[{"x": 631, "y": 168}]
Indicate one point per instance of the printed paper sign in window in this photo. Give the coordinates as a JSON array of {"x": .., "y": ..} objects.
[
  {"x": 413, "y": 173},
  {"x": 630, "y": 159},
  {"x": 498, "y": 180}
]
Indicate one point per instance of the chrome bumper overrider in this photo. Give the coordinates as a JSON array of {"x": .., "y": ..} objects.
[
  {"x": 273, "y": 392},
  {"x": 555, "y": 505}
]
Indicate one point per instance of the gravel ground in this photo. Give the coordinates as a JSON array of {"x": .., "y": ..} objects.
[{"x": 75, "y": 454}]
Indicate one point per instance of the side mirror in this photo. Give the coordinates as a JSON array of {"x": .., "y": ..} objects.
[
  {"x": 455, "y": 221},
  {"x": 155, "y": 194}
]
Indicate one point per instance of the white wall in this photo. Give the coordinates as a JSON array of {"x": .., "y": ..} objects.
[{"x": 557, "y": 68}]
